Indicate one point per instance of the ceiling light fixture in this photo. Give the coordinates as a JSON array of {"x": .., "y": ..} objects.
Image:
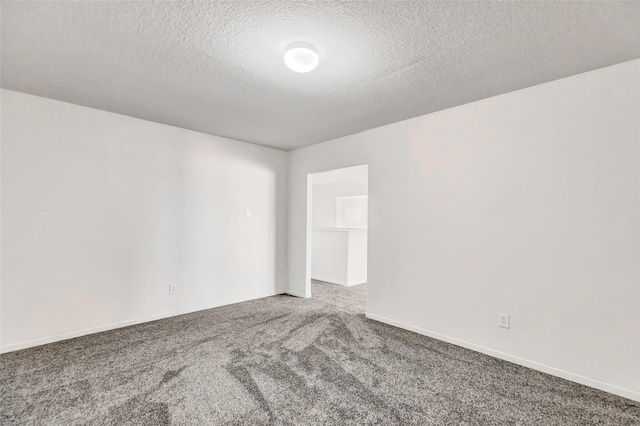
[{"x": 301, "y": 57}]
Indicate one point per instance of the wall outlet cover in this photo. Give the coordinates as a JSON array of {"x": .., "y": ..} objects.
[{"x": 503, "y": 320}]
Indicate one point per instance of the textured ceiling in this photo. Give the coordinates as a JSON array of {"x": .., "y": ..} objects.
[{"x": 217, "y": 67}]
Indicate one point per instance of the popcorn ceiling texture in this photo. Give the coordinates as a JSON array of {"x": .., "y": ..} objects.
[{"x": 216, "y": 67}]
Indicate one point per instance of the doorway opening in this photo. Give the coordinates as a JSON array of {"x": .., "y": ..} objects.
[{"x": 337, "y": 226}]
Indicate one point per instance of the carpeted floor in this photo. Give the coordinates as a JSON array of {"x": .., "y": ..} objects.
[{"x": 286, "y": 361}]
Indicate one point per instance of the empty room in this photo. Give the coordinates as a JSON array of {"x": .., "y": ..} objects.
[{"x": 320, "y": 212}]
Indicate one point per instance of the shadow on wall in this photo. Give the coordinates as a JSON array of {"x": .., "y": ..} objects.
[{"x": 113, "y": 210}]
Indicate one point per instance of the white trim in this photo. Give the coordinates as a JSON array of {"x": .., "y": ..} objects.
[
  {"x": 626, "y": 393},
  {"x": 329, "y": 280},
  {"x": 296, "y": 294},
  {"x": 107, "y": 327},
  {"x": 338, "y": 229}
]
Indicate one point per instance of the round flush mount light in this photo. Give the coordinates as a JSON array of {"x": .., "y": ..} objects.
[{"x": 301, "y": 57}]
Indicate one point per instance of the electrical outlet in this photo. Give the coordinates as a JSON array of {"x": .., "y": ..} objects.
[
  {"x": 248, "y": 214},
  {"x": 503, "y": 320},
  {"x": 173, "y": 288}
]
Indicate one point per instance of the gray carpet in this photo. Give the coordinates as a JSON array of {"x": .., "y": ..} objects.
[{"x": 286, "y": 361}]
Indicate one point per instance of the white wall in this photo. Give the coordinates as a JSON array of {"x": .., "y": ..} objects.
[
  {"x": 339, "y": 200},
  {"x": 325, "y": 192},
  {"x": 100, "y": 212},
  {"x": 526, "y": 203},
  {"x": 352, "y": 212}
]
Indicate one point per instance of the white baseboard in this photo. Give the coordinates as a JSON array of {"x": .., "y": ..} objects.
[
  {"x": 329, "y": 280},
  {"x": 107, "y": 327},
  {"x": 626, "y": 393},
  {"x": 296, "y": 294}
]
